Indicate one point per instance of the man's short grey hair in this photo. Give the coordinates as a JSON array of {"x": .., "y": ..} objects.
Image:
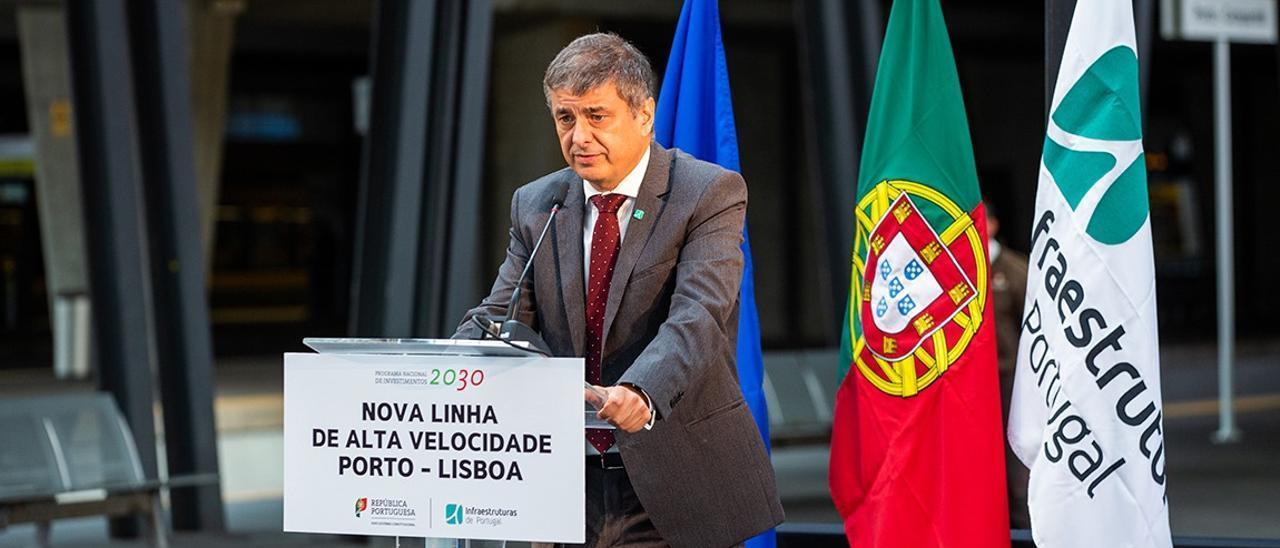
[{"x": 592, "y": 60}]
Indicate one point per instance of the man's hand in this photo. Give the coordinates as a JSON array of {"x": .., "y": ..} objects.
[{"x": 625, "y": 408}]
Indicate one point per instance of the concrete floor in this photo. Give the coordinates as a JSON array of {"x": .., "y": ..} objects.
[{"x": 1214, "y": 490}]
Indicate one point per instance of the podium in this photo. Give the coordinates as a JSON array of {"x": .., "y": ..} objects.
[{"x": 445, "y": 439}]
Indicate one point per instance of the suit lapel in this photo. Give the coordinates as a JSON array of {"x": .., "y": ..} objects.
[
  {"x": 652, "y": 191},
  {"x": 569, "y": 256}
]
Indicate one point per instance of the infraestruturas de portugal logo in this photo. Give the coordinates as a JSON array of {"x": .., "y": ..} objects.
[
  {"x": 1093, "y": 149},
  {"x": 454, "y": 514},
  {"x": 457, "y": 514}
]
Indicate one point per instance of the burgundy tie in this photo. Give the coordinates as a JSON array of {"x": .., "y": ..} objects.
[{"x": 604, "y": 253}]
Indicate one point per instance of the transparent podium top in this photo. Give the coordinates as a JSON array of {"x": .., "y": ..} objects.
[
  {"x": 447, "y": 347},
  {"x": 431, "y": 347}
]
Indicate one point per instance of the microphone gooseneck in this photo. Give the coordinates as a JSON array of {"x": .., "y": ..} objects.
[{"x": 515, "y": 293}]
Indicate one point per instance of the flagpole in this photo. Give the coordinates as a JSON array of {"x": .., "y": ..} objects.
[
  {"x": 1227, "y": 431},
  {"x": 1057, "y": 23}
]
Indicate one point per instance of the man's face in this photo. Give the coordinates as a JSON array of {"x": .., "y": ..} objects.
[{"x": 601, "y": 139}]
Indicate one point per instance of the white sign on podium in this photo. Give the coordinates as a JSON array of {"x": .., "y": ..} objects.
[{"x": 461, "y": 447}]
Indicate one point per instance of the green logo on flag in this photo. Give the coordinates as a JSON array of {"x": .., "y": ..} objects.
[{"x": 1103, "y": 105}]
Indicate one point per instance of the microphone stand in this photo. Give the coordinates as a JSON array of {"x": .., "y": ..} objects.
[{"x": 512, "y": 330}]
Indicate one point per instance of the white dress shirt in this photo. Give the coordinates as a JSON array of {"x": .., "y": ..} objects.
[{"x": 629, "y": 187}]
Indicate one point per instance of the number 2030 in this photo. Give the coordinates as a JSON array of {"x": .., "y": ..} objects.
[{"x": 460, "y": 377}]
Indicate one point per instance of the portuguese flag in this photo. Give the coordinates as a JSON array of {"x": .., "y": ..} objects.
[{"x": 917, "y": 452}]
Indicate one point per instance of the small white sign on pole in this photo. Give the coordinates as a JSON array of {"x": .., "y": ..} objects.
[
  {"x": 1241, "y": 21},
  {"x": 434, "y": 446}
]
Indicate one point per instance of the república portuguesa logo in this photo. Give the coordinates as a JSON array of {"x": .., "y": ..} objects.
[
  {"x": 453, "y": 514},
  {"x": 382, "y": 509}
]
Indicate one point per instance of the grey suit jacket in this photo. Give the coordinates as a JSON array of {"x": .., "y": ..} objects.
[{"x": 670, "y": 327}]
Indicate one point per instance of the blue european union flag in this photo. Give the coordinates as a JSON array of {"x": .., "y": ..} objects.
[{"x": 695, "y": 114}]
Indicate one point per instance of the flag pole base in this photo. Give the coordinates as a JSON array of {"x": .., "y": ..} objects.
[{"x": 1226, "y": 436}]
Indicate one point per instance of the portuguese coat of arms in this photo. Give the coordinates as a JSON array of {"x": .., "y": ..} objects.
[{"x": 919, "y": 304}]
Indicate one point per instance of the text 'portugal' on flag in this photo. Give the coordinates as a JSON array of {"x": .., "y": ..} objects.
[
  {"x": 917, "y": 455},
  {"x": 1086, "y": 410}
]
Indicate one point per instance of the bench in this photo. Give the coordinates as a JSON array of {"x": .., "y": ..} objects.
[
  {"x": 800, "y": 390},
  {"x": 73, "y": 455}
]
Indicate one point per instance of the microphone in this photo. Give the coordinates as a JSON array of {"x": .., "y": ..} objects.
[{"x": 511, "y": 329}]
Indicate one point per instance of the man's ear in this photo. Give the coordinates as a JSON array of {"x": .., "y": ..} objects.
[{"x": 647, "y": 114}]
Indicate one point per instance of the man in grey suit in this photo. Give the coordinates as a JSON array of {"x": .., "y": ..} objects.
[{"x": 640, "y": 275}]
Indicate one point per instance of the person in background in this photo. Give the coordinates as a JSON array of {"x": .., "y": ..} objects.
[{"x": 1009, "y": 291}]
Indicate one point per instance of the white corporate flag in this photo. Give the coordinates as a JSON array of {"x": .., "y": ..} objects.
[{"x": 1086, "y": 413}]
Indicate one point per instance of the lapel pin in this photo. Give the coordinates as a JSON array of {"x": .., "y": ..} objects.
[{"x": 639, "y": 214}]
